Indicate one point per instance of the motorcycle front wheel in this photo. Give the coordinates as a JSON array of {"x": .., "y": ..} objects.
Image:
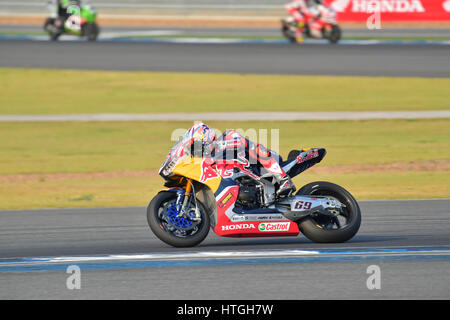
[
  {"x": 327, "y": 229},
  {"x": 167, "y": 224},
  {"x": 51, "y": 29},
  {"x": 287, "y": 31}
]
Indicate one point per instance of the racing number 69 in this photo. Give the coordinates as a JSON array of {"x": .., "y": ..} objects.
[{"x": 303, "y": 205}]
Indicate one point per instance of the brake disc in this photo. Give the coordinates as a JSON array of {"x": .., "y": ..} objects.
[{"x": 183, "y": 222}]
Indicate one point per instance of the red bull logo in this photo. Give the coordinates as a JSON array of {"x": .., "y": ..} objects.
[{"x": 207, "y": 172}]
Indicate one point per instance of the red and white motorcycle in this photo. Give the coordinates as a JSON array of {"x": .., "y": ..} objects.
[
  {"x": 227, "y": 196},
  {"x": 324, "y": 26}
]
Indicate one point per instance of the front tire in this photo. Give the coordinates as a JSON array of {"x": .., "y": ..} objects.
[
  {"x": 53, "y": 32},
  {"x": 323, "y": 229},
  {"x": 286, "y": 31},
  {"x": 165, "y": 230},
  {"x": 54, "y": 36}
]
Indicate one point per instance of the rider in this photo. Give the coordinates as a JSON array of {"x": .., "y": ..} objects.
[
  {"x": 61, "y": 11},
  {"x": 302, "y": 11},
  {"x": 241, "y": 149}
]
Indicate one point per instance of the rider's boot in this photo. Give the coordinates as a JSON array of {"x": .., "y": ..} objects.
[
  {"x": 269, "y": 162},
  {"x": 286, "y": 186}
]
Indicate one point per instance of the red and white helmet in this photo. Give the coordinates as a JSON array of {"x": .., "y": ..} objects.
[{"x": 202, "y": 134}]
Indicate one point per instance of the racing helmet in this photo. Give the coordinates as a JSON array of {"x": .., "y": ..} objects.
[
  {"x": 64, "y": 3},
  {"x": 202, "y": 138}
]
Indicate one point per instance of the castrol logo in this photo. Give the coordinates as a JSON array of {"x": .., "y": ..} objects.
[
  {"x": 274, "y": 226},
  {"x": 244, "y": 226}
]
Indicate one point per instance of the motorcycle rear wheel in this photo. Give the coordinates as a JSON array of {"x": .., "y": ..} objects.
[
  {"x": 324, "y": 229},
  {"x": 165, "y": 230},
  {"x": 335, "y": 34},
  {"x": 92, "y": 31}
]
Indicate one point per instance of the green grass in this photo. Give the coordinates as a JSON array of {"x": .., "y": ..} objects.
[
  {"x": 138, "y": 191},
  {"x": 37, "y": 91},
  {"x": 102, "y": 147},
  {"x": 45, "y": 150},
  {"x": 45, "y": 165}
]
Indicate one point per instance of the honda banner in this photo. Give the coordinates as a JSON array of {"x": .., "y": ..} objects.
[{"x": 392, "y": 10}]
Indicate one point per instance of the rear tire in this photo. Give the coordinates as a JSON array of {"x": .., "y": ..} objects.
[
  {"x": 92, "y": 31},
  {"x": 316, "y": 229},
  {"x": 335, "y": 34}
]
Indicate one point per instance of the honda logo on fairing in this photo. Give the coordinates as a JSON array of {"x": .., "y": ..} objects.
[{"x": 244, "y": 226}]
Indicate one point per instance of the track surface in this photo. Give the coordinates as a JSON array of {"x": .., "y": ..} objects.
[
  {"x": 369, "y": 60},
  {"x": 236, "y": 31},
  {"x": 103, "y": 231}
]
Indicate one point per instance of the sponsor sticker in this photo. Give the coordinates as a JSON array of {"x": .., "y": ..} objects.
[
  {"x": 224, "y": 201},
  {"x": 207, "y": 172},
  {"x": 308, "y": 156},
  {"x": 243, "y": 226},
  {"x": 274, "y": 226}
]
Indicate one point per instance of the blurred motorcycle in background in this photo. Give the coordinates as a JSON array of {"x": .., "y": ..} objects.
[
  {"x": 324, "y": 26},
  {"x": 82, "y": 22}
]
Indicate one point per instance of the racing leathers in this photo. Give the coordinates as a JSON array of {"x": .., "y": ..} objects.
[
  {"x": 61, "y": 12},
  {"x": 231, "y": 145},
  {"x": 301, "y": 11}
]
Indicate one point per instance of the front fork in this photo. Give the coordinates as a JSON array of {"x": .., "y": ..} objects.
[{"x": 183, "y": 199}]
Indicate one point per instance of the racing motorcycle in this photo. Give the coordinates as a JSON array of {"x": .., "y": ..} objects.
[
  {"x": 231, "y": 199},
  {"x": 81, "y": 23},
  {"x": 323, "y": 27}
]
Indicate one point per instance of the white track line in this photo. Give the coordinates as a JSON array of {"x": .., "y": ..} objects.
[{"x": 232, "y": 255}]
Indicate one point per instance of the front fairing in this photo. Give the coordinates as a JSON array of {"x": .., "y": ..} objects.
[
  {"x": 176, "y": 153},
  {"x": 180, "y": 163}
]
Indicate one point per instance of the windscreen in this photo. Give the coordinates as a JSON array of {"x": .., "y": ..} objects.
[{"x": 176, "y": 152}]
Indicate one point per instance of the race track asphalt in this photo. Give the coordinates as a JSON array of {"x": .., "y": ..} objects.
[
  {"x": 416, "y": 60},
  {"x": 386, "y": 225}
]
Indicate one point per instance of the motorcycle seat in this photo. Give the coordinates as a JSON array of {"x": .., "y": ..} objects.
[{"x": 293, "y": 154}]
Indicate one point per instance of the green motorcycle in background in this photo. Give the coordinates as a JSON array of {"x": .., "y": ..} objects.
[{"x": 81, "y": 22}]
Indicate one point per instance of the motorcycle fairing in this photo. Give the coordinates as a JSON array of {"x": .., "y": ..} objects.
[
  {"x": 199, "y": 170},
  {"x": 232, "y": 223},
  {"x": 299, "y": 161},
  {"x": 219, "y": 178}
]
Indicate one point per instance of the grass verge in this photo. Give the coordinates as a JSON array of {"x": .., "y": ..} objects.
[
  {"x": 41, "y": 91},
  {"x": 46, "y": 165},
  {"x": 138, "y": 191}
]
